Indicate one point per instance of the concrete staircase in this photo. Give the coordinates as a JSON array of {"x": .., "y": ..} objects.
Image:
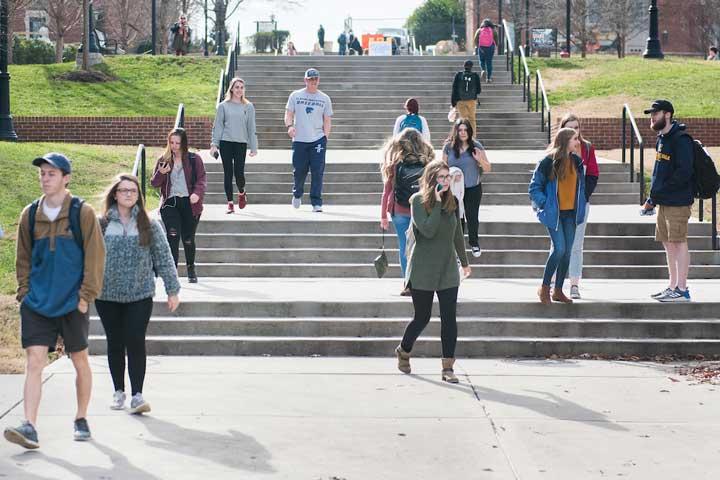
[{"x": 368, "y": 93}]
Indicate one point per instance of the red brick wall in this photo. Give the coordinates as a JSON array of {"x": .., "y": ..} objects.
[
  {"x": 606, "y": 133},
  {"x": 151, "y": 131}
]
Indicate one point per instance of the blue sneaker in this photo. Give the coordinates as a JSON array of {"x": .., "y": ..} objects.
[
  {"x": 677, "y": 295},
  {"x": 25, "y": 435},
  {"x": 81, "y": 431}
]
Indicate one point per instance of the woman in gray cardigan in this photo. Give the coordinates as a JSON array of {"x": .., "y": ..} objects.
[
  {"x": 432, "y": 268},
  {"x": 136, "y": 248},
  {"x": 233, "y": 133}
]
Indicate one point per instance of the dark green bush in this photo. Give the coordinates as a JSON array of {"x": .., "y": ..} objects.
[{"x": 32, "y": 51}]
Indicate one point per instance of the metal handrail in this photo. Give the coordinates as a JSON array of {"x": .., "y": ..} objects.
[
  {"x": 525, "y": 79},
  {"x": 545, "y": 104},
  {"x": 140, "y": 166},
  {"x": 509, "y": 53},
  {"x": 180, "y": 116},
  {"x": 627, "y": 114},
  {"x": 230, "y": 65}
]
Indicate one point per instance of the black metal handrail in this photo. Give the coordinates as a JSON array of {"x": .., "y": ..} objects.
[
  {"x": 524, "y": 74},
  {"x": 230, "y": 66},
  {"x": 509, "y": 52},
  {"x": 139, "y": 167},
  {"x": 627, "y": 114},
  {"x": 715, "y": 242},
  {"x": 180, "y": 116},
  {"x": 544, "y": 105}
]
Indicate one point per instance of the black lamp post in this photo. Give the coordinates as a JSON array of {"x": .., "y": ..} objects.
[
  {"x": 153, "y": 23},
  {"x": 527, "y": 27},
  {"x": 7, "y": 132},
  {"x": 653, "y": 50},
  {"x": 568, "y": 27},
  {"x": 501, "y": 47},
  {"x": 205, "y": 46}
]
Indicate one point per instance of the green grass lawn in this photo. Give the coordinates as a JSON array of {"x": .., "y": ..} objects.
[
  {"x": 145, "y": 86},
  {"x": 599, "y": 82}
]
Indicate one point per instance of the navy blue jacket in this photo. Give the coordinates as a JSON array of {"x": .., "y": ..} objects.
[
  {"x": 544, "y": 193},
  {"x": 672, "y": 178}
]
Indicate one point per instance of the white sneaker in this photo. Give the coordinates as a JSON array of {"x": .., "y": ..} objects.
[
  {"x": 138, "y": 405},
  {"x": 476, "y": 252},
  {"x": 575, "y": 292},
  {"x": 296, "y": 202},
  {"x": 118, "y": 401},
  {"x": 317, "y": 208}
]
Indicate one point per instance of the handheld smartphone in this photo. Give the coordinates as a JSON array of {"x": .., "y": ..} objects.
[
  {"x": 216, "y": 155},
  {"x": 439, "y": 187}
]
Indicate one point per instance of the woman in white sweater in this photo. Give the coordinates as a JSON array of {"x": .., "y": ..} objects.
[{"x": 233, "y": 132}]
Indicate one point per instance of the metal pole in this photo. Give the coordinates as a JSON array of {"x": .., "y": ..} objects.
[
  {"x": 205, "y": 45},
  {"x": 142, "y": 171},
  {"x": 527, "y": 27},
  {"x": 700, "y": 209},
  {"x": 642, "y": 173},
  {"x": 653, "y": 49},
  {"x": 632, "y": 157},
  {"x": 714, "y": 220},
  {"x": 7, "y": 131},
  {"x": 568, "y": 26},
  {"x": 624, "y": 135},
  {"x": 153, "y": 23}
]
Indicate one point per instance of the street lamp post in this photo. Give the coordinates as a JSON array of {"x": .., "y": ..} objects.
[
  {"x": 205, "y": 45},
  {"x": 568, "y": 26},
  {"x": 653, "y": 50},
  {"x": 154, "y": 25},
  {"x": 527, "y": 27},
  {"x": 7, "y": 131}
]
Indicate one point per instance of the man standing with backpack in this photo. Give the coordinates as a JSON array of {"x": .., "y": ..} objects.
[
  {"x": 465, "y": 90},
  {"x": 59, "y": 267},
  {"x": 672, "y": 190}
]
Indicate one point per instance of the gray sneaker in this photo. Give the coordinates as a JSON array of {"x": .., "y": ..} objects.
[
  {"x": 118, "y": 401},
  {"x": 317, "y": 209},
  {"x": 138, "y": 405},
  {"x": 25, "y": 435},
  {"x": 81, "y": 431},
  {"x": 296, "y": 202},
  {"x": 575, "y": 292},
  {"x": 664, "y": 293}
]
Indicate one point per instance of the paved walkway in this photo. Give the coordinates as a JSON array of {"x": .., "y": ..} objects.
[{"x": 359, "y": 419}]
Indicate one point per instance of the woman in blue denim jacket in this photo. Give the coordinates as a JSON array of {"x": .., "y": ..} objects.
[{"x": 557, "y": 192}]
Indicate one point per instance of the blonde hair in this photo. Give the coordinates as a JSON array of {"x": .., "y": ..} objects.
[
  {"x": 409, "y": 143},
  {"x": 428, "y": 181},
  {"x": 559, "y": 153},
  {"x": 228, "y": 94}
]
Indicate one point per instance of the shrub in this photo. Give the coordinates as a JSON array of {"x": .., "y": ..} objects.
[
  {"x": 70, "y": 53},
  {"x": 32, "y": 51}
]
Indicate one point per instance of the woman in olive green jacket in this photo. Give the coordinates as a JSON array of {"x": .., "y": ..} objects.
[{"x": 433, "y": 264}]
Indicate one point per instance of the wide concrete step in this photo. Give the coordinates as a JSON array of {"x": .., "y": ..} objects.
[
  {"x": 430, "y": 88},
  {"x": 467, "y": 347},
  {"x": 277, "y": 143},
  {"x": 312, "y": 254},
  {"x": 367, "y": 270},
  {"x": 373, "y": 241},
  {"x": 323, "y": 327},
  {"x": 430, "y": 101},
  {"x": 347, "y": 134},
  {"x": 441, "y": 129}
]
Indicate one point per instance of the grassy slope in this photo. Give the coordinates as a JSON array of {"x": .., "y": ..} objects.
[{"x": 151, "y": 86}]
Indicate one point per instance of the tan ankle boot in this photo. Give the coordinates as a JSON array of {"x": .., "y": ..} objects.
[
  {"x": 403, "y": 359},
  {"x": 559, "y": 296},
  {"x": 544, "y": 294},
  {"x": 448, "y": 375}
]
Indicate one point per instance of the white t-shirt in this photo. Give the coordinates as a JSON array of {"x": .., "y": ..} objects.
[
  {"x": 51, "y": 212},
  {"x": 309, "y": 110}
]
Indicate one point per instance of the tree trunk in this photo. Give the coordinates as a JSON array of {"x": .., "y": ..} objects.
[
  {"x": 59, "y": 47},
  {"x": 86, "y": 36}
]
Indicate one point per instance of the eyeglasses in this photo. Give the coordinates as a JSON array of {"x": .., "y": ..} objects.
[
  {"x": 442, "y": 177},
  {"x": 127, "y": 191}
]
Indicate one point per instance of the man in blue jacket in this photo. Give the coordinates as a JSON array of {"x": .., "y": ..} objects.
[{"x": 672, "y": 191}]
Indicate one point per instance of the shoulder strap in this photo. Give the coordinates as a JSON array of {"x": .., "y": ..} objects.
[
  {"x": 193, "y": 170},
  {"x": 76, "y": 204},
  {"x": 103, "y": 221},
  {"x": 31, "y": 219}
]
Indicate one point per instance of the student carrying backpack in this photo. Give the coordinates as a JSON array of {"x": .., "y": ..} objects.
[{"x": 412, "y": 119}]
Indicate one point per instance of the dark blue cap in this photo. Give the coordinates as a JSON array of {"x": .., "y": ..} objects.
[
  {"x": 57, "y": 160},
  {"x": 312, "y": 73}
]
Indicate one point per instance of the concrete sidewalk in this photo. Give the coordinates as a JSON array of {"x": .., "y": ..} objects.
[{"x": 340, "y": 418}]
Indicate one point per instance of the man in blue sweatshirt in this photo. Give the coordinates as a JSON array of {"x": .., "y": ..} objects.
[{"x": 672, "y": 191}]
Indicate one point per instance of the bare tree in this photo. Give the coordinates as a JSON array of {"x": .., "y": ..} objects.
[
  {"x": 168, "y": 12},
  {"x": 64, "y": 15},
  {"x": 624, "y": 18},
  {"x": 131, "y": 19},
  {"x": 703, "y": 21},
  {"x": 13, "y": 6}
]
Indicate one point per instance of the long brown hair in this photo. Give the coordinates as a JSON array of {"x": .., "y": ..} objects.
[
  {"x": 228, "y": 93},
  {"x": 410, "y": 144},
  {"x": 428, "y": 182},
  {"x": 571, "y": 117},
  {"x": 559, "y": 153},
  {"x": 143, "y": 220},
  {"x": 454, "y": 141},
  {"x": 167, "y": 154}
]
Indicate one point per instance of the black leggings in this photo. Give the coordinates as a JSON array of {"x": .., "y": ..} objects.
[
  {"x": 233, "y": 153},
  {"x": 179, "y": 222},
  {"x": 125, "y": 325},
  {"x": 422, "y": 302},
  {"x": 471, "y": 201}
]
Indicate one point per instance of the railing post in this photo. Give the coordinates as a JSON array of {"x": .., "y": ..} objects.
[
  {"x": 512, "y": 70},
  {"x": 624, "y": 135},
  {"x": 529, "y": 100},
  {"x": 549, "y": 127},
  {"x": 142, "y": 172},
  {"x": 537, "y": 90},
  {"x": 713, "y": 218},
  {"x": 642, "y": 173},
  {"x": 542, "y": 117},
  {"x": 700, "y": 209}
]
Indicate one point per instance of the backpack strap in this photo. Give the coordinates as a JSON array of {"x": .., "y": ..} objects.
[
  {"x": 193, "y": 170},
  {"x": 76, "y": 204},
  {"x": 32, "y": 213},
  {"x": 103, "y": 221}
]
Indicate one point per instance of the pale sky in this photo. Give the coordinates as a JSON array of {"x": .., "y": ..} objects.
[{"x": 303, "y": 22}]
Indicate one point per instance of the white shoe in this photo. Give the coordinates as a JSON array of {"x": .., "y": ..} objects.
[
  {"x": 317, "y": 208},
  {"x": 118, "y": 401},
  {"x": 138, "y": 405},
  {"x": 296, "y": 202},
  {"x": 476, "y": 252},
  {"x": 575, "y": 292}
]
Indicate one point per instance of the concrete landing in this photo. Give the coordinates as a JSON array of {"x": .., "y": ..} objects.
[{"x": 357, "y": 419}]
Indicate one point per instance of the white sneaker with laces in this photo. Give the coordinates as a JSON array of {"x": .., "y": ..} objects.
[
  {"x": 317, "y": 209},
  {"x": 118, "y": 401},
  {"x": 296, "y": 202},
  {"x": 476, "y": 252},
  {"x": 138, "y": 405},
  {"x": 575, "y": 292}
]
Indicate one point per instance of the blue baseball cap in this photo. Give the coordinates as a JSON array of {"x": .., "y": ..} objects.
[
  {"x": 312, "y": 73},
  {"x": 57, "y": 160}
]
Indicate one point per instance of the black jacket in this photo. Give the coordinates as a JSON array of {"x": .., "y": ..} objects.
[
  {"x": 466, "y": 86},
  {"x": 672, "y": 178}
]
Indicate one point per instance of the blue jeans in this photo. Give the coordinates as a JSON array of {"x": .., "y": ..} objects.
[
  {"x": 401, "y": 223},
  {"x": 559, "y": 258},
  {"x": 486, "y": 55},
  {"x": 306, "y": 157},
  {"x": 576, "y": 255}
]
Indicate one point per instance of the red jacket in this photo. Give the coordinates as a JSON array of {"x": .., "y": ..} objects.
[
  {"x": 592, "y": 172},
  {"x": 162, "y": 181}
]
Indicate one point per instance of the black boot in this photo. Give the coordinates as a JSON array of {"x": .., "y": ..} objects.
[{"x": 192, "y": 276}]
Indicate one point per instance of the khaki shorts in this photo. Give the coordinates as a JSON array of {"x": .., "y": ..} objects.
[{"x": 672, "y": 224}]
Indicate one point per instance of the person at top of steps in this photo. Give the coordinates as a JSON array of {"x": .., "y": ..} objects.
[
  {"x": 180, "y": 176},
  {"x": 308, "y": 118},
  {"x": 485, "y": 41},
  {"x": 412, "y": 119},
  {"x": 233, "y": 133},
  {"x": 592, "y": 173},
  {"x": 135, "y": 249},
  {"x": 557, "y": 193},
  {"x": 463, "y": 151},
  {"x": 406, "y": 155},
  {"x": 465, "y": 90},
  {"x": 432, "y": 267}
]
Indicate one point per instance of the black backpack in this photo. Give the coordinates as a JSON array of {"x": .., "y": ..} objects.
[
  {"x": 407, "y": 181},
  {"x": 76, "y": 204},
  {"x": 706, "y": 179}
]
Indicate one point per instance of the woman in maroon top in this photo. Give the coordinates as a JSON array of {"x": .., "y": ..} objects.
[
  {"x": 592, "y": 173},
  {"x": 407, "y": 153}
]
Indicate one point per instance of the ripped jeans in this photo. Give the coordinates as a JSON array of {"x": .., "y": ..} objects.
[{"x": 176, "y": 214}]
